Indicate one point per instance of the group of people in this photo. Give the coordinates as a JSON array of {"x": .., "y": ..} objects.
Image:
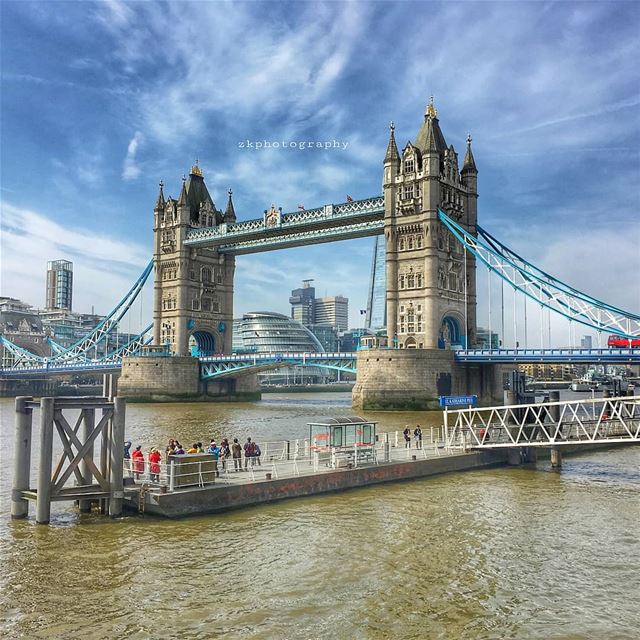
[
  {"x": 417, "y": 436},
  {"x": 222, "y": 454}
]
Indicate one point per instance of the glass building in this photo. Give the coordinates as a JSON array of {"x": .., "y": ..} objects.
[
  {"x": 266, "y": 332},
  {"x": 377, "y": 298},
  {"x": 59, "y": 284}
]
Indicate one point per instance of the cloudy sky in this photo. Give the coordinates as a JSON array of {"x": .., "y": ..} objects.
[{"x": 102, "y": 100}]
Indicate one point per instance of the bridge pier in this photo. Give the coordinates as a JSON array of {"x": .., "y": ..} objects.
[
  {"x": 412, "y": 379},
  {"x": 177, "y": 379},
  {"x": 556, "y": 458}
]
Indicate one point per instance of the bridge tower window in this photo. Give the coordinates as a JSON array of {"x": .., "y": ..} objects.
[
  {"x": 409, "y": 165},
  {"x": 206, "y": 274}
]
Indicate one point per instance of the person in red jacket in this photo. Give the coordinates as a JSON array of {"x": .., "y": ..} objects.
[
  {"x": 137, "y": 462},
  {"x": 154, "y": 465}
]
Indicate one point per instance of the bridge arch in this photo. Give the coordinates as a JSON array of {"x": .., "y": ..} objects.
[
  {"x": 203, "y": 343},
  {"x": 410, "y": 343},
  {"x": 450, "y": 334}
]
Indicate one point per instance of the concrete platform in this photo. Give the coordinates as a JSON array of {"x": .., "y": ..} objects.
[{"x": 243, "y": 492}]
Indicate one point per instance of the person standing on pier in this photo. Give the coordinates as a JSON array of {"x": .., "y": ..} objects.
[
  {"x": 249, "y": 453},
  {"x": 417, "y": 434},
  {"x": 214, "y": 450},
  {"x": 407, "y": 437},
  {"x": 236, "y": 449},
  {"x": 127, "y": 457},
  {"x": 137, "y": 458},
  {"x": 154, "y": 464},
  {"x": 225, "y": 452}
]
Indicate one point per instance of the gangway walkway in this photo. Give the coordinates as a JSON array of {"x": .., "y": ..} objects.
[{"x": 548, "y": 424}]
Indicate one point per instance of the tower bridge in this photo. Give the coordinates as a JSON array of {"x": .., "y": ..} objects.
[{"x": 428, "y": 217}]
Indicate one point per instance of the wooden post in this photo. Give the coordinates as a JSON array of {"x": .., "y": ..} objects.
[
  {"x": 117, "y": 457},
  {"x": 88, "y": 423},
  {"x": 43, "y": 501},
  {"x": 22, "y": 460}
]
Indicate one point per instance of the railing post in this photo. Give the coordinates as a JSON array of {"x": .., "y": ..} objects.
[
  {"x": 43, "y": 500},
  {"x": 172, "y": 475},
  {"x": 22, "y": 460},
  {"x": 117, "y": 457}
]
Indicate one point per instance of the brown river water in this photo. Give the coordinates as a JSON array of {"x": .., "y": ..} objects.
[{"x": 503, "y": 553}]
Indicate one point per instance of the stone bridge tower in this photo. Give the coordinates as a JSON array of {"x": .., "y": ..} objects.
[
  {"x": 193, "y": 288},
  {"x": 431, "y": 290}
]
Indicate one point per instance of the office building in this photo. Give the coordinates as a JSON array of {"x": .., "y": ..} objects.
[
  {"x": 332, "y": 311},
  {"x": 59, "y": 284},
  {"x": 377, "y": 297},
  {"x": 302, "y": 303},
  {"x": 586, "y": 342}
]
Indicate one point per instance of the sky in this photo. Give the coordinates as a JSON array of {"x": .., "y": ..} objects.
[{"x": 102, "y": 100}]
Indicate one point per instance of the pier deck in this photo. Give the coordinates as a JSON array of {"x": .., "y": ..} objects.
[{"x": 241, "y": 489}]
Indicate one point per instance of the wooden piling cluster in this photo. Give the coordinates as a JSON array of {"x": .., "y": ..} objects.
[{"x": 100, "y": 483}]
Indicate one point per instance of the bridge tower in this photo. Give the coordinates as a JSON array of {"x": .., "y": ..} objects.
[
  {"x": 431, "y": 291},
  {"x": 193, "y": 287}
]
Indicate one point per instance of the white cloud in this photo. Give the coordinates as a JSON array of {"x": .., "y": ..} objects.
[
  {"x": 130, "y": 170},
  {"x": 104, "y": 267}
]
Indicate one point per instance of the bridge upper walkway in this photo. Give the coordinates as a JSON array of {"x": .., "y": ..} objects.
[{"x": 356, "y": 219}]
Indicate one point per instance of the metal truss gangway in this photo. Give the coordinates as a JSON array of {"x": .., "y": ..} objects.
[{"x": 547, "y": 424}]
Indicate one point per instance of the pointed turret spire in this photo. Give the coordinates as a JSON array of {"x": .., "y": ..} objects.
[
  {"x": 431, "y": 141},
  {"x": 392, "y": 154},
  {"x": 182, "y": 200},
  {"x": 469, "y": 161},
  {"x": 431, "y": 111},
  {"x": 430, "y": 136},
  {"x": 230, "y": 213},
  {"x": 160, "y": 202}
]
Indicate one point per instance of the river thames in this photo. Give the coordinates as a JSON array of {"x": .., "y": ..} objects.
[{"x": 503, "y": 553}]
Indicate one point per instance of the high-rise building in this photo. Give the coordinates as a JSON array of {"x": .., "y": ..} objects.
[
  {"x": 332, "y": 311},
  {"x": 59, "y": 284},
  {"x": 377, "y": 298},
  {"x": 302, "y": 303}
]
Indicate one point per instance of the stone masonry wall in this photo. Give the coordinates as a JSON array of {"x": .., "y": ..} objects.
[
  {"x": 412, "y": 379},
  {"x": 153, "y": 377},
  {"x": 404, "y": 378}
]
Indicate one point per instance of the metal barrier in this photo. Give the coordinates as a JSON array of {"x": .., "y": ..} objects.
[{"x": 283, "y": 459}]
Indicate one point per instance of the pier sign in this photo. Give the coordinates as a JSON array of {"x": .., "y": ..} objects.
[{"x": 458, "y": 401}]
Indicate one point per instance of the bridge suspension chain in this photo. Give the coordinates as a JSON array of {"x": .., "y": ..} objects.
[{"x": 545, "y": 289}]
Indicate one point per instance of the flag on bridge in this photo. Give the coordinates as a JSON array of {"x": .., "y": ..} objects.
[
  {"x": 349, "y": 198},
  {"x": 301, "y": 207}
]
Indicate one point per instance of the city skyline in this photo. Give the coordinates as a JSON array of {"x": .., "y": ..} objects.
[{"x": 555, "y": 133}]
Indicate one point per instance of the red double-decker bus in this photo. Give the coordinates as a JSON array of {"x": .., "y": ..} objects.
[{"x": 618, "y": 342}]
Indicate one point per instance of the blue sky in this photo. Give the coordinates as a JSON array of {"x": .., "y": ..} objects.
[{"x": 102, "y": 100}]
